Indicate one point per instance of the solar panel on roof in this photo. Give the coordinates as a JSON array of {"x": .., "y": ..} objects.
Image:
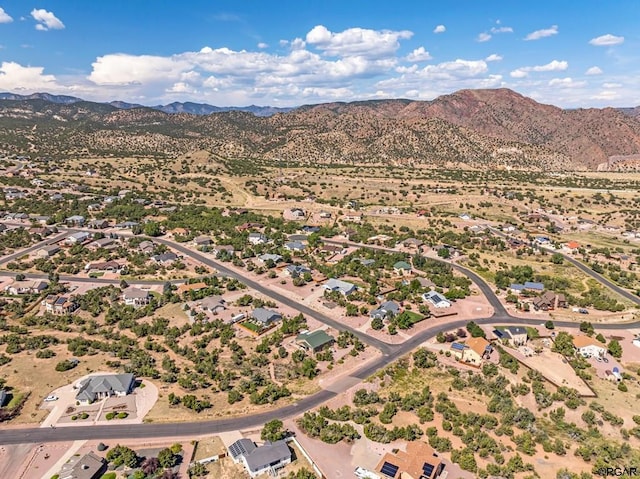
[
  {"x": 498, "y": 333},
  {"x": 61, "y": 300},
  {"x": 427, "y": 469},
  {"x": 458, "y": 346},
  {"x": 389, "y": 469}
]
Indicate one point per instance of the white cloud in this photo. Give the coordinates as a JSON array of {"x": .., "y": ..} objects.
[
  {"x": 440, "y": 29},
  {"x": 606, "y": 95},
  {"x": 263, "y": 45},
  {"x": 501, "y": 30},
  {"x": 609, "y": 86},
  {"x": 545, "y": 32},
  {"x": 356, "y": 41},
  {"x": 419, "y": 55},
  {"x": 46, "y": 20},
  {"x": 553, "y": 66},
  {"x": 494, "y": 57},
  {"x": 567, "y": 82},
  {"x": 606, "y": 40},
  {"x": 483, "y": 37},
  {"x": 15, "y": 77},
  {"x": 124, "y": 69},
  {"x": 5, "y": 17},
  {"x": 594, "y": 71}
]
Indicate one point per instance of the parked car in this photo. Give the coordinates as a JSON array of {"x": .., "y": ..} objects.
[
  {"x": 583, "y": 311},
  {"x": 51, "y": 397}
]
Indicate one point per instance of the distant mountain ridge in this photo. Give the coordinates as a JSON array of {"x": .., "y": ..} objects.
[
  {"x": 175, "y": 107},
  {"x": 489, "y": 129}
]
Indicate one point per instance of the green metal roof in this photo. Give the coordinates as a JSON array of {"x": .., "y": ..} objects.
[{"x": 316, "y": 339}]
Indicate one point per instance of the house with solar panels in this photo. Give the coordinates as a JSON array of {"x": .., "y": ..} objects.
[
  {"x": 59, "y": 305},
  {"x": 419, "y": 461},
  {"x": 268, "y": 458},
  {"x": 473, "y": 351}
]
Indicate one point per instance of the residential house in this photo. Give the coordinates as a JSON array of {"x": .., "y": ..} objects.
[
  {"x": 105, "y": 266},
  {"x": 331, "y": 249},
  {"x": 127, "y": 225},
  {"x": 297, "y": 213},
  {"x": 315, "y": 341},
  {"x": 77, "y": 238},
  {"x": 419, "y": 461},
  {"x": 412, "y": 243},
  {"x": 324, "y": 215},
  {"x": 352, "y": 218},
  {"x": 571, "y": 247},
  {"x": 296, "y": 270},
  {"x": 202, "y": 240},
  {"x": 297, "y": 237},
  {"x": 472, "y": 351},
  {"x": 549, "y": 301},
  {"x": 365, "y": 261},
  {"x": 401, "y": 268},
  {"x": 257, "y": 238},
  {"x": 59, "y": 305},
  {"x": 589, "y": 347},
  {"x": 265, "y": 316},
  {"x": 135, "y": 297},
  {"x": 165, "y": 259},
  {"x": 47, "y": 251},
  {"x": 343, "y": 287},
  {"x": 532, "y": 286},
  {"x": 102, "y": 243},
  {"x": 75, "y": 220},
  {"x": 295, "y": 246},
  {"x": 249, "y": 226},
  {"x": 516, "y": 288},
  {"x": 213, "y": 304},
  {"x": 186, "y": 287},
  {"x": 43, "y": 232},
  {"x": 309, "y": 229},
  {"x": 95, "y": 388},
  {"x": 27, "y": 287},
  {"x": 385, "y": 310},
  {"x": 89, "y": 466},
  {"x": 266, "y": 459},
  {"x": 514, "y": 335},
  {"x": 264, "y": 258},
  {"x": 94, "y": 207},
  {"x": 438, "y": 300},
  {"x": 98, "y": 224},
  {"x": 223, "y": 249},
  {"x": 146, "y": 247}
]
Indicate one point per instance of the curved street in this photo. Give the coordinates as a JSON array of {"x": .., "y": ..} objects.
[{"x": 20, "y": 435}]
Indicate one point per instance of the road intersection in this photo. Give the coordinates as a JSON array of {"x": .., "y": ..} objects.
[{"x": 390, "y": 352}]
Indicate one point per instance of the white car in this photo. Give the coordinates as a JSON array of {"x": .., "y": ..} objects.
[{"x": 51, "y": 398}]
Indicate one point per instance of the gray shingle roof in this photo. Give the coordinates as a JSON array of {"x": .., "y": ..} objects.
[{"x": 93, "y": 385}]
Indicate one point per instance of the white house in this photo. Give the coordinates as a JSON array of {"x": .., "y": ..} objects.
[
  {"x": 435, "y": 298},
  {"x": 135, "y": 297},
  {"x": 268, "y": 458},
  {"x": 589, "y": 347},
  {"x": 257, "y": 238}
]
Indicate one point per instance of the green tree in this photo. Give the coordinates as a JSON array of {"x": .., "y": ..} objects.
[
  {"x": 615, "y": 349},
  {"x": 549, "y": 324},
  {"x": 151, "y": 228},
  {"x": 557, "y": 258},
  {"x": 122, "y": 455},
  {"x": 377, "y": 323},
  {"x": 273, "y": 431},
  {"x": 167, "y": 458},
  {"x": 563, "y": 344}
]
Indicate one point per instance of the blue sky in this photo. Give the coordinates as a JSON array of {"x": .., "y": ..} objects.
[{"x": 285, "y": 53}]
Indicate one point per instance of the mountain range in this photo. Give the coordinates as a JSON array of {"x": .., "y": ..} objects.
[
  {"x": 475, "y": 128},
  {"x": 175, "y": 107}
]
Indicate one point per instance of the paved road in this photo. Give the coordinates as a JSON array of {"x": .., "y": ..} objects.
[
  {"x": 385, "y": 348},
  {"x": 197, "y": 428},
  {"x": 582, "y": 267},
  {"x": 37, "y": 246},
  {"x": 485, "y": 287}
]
